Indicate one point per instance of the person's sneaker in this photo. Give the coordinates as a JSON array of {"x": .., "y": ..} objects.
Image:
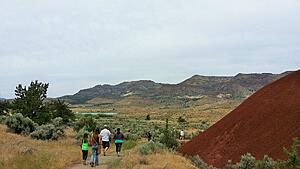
[
  {"x": 104, "y": 153},
  {"x": 83, "y": 162},
  {"x": 118, "y": 153}
]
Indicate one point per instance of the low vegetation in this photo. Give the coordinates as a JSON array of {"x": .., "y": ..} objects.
[
  {"x": 19, "y": 151},
  {"x": 250, "y": 162},
  {"x": 138, "y": 158}
]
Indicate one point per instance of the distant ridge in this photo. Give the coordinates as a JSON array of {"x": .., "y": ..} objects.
[
  {"x": 239, "y": 86},
  {"x": 262, "y": 125}
]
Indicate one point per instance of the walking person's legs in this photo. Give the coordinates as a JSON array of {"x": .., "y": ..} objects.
[
  {"x": 118, "y": 148},
  {"x": 96, "y": 156},
  {"x": 105, "y": 145},
  {"x": 93, "y": 156},
  {"x": 84, "y": 156}
]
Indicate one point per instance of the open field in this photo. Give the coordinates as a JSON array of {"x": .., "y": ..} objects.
[{"x": 204, "y": 110}]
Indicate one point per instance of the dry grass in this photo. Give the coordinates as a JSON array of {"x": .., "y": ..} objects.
[
  {"x": 163, "y": 160},
  {"x": 23, "y": 152}
]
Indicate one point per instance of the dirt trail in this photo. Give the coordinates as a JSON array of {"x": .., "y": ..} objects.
[{"x": 104, "y": 161}]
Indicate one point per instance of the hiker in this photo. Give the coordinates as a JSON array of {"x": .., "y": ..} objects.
[
  {"x": 84, "y": 147},
  {"x": 119, "y": 139},
  {"x": 105, "y": 136},
  {"x": 148, "y": 134},
  {"x": 95, "y": 142},
  {"x": 181, "y": 135}
]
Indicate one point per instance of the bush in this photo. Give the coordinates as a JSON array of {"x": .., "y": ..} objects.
[
  {"x": 247, "y": 162},
  {"x": 199, "y": 163},
  {"x": 2, "y": 119},
  {"x": 47, "y": 132},
  {"x": 129, "y": 144},
  {"x": 293, "y": 160},
  {"x": 79, "y": 134},
  {"x": 266, "y": 163},
  {"x": 87, "y": 122},
  {"x": 20, "y": 124},
  {"x": 150, "y": 147},
  {"x": 181, "y": 120},
  {"x": 4, "y": 107},
  {"x": 168, "y": 138},
  {"x": 130, "y": 136}
]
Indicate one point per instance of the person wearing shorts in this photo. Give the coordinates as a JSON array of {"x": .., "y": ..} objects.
[{"x": 105, "y": 137}]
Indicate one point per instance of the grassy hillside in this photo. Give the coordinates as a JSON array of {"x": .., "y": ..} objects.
[
  {"x": 239, "y": 86},
  {"x": 20, "y": 152}
]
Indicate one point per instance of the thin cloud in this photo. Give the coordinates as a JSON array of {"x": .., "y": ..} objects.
[{"x": 78, "y": 44}]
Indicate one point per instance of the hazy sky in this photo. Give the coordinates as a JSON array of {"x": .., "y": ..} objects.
[{"x": 75, "y": 44}]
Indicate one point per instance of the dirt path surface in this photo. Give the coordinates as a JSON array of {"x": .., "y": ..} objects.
[{"x": 104, "y": 162}]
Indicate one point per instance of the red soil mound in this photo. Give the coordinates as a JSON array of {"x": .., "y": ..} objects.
[{"x": 263, "y": 124}]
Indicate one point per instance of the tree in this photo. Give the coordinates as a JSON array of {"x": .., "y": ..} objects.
[
  {"x": 4, "y": 107},
  {"x": 29, "y": 101},
  {"x": 59, "y": 108}
]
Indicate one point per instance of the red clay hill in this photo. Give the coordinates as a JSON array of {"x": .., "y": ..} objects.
[{"x": 263, "y": 124}]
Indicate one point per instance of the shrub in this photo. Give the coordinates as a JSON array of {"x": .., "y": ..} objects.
[
  {"x": 150, "y": 147},
  {"x": 168, "y": 138},
  {"x": 20, "y": 124},
  {"x": 47, "y": 132},
  {"x": 293, "y": 160},
  {"x": 2, "y": 119},
  {"x": 181, "y": 120},
  {"x": 79, "y": 134},
  {"x": 87, "y": 122},
  {"x": 57, "y": 122},
  {"x": 266, "y": 163},
  {"x": 130, "y": 136},
  {"x": 247, "y": 162},
  {"x": 4, "y": 107},
  {"x": 129, "y": 144},
  {"x": 199, "y": 163},
  {"x": 229, "y": 165}
]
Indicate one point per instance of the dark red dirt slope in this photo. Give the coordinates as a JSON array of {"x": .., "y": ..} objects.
[{"x": 263, "y": 124}]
